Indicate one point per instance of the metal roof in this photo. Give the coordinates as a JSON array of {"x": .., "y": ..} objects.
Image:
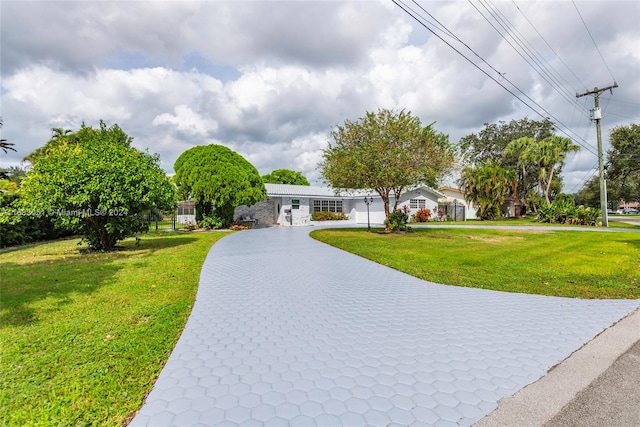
[
  {"x": 275, "y": 190},
  {"x": 300, "y": 190}
]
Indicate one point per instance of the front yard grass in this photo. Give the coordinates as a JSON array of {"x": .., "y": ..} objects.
[
  {"x": 83, "y": 336},
  {"x": 547, "y": 262},
  {"x": 531, "y": 221}
]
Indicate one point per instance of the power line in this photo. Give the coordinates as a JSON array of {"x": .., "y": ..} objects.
[
  {"x": 453, "y": 36},
  {"x": 532, "y": 52},
  {"x": 594, "y": 42},
  {"x": 415, "y": 16},
  {"x": 587, "y": 176},
  {"x": 548, "y": 45},
  {"x": 520, "y": 41},
  {"x": 617, "y": 100},
  {"x": 624, "y": 117}
]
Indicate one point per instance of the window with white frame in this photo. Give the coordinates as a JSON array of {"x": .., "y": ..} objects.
[
  {"x": 327, "y": 206},
  {"x": 417, "y": 203}
]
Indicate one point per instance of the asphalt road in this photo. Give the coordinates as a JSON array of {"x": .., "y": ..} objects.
[{"x": 612, "y": 400}]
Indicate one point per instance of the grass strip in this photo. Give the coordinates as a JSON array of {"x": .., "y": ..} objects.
[
  {"x": 85, "y": 335},
  {"x": 548, "y": 262}
]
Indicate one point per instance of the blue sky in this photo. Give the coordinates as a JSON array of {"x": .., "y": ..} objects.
[{"x": 269, "y": 79}]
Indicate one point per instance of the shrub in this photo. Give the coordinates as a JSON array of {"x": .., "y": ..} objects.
[
  {"x": 238, "y": 227},
  {"x": 19, "y": 225},
  {"x": 398, "y": 219},
  {"x": 564, "y": 211},
  {"x": 423, "y": 215},
  {"x": 211, "y": 222},
  {"x": 328, "y": 216}
]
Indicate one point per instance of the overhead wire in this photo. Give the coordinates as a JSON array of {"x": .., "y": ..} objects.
[
  {"x": 586, "y": 178},
  {"x": 418, "y": 18},
  {"x": 593, "y": 40},
  {"x": 511, "y": 32},
  {"x": 584, "y": 86}
]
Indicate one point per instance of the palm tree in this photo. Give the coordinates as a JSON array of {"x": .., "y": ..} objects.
[
  {"x": 516, "y": 148},
  {"x": 488, "y": 186},
  {"x": 4, "y": 144},
  {"x": 59, "y": 137},
  {"x": 551, "y": 155},
  {"x": 546, "y": 156}
]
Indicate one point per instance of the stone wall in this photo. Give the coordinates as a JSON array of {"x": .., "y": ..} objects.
[{"x": 263, "y": 211}]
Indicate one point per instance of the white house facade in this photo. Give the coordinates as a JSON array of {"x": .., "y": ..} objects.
[
  {"x": 456, "y": 197},
  {"x": 293, "y": 205}
]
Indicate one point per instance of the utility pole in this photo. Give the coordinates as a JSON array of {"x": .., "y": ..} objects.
[{"x": 597, "y": 116}]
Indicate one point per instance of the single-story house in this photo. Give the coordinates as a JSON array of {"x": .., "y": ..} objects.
[
  {"x": 455, "y": 197},
  {"x": 292, "y": 205},
  {"x": 628, "y": 205}
]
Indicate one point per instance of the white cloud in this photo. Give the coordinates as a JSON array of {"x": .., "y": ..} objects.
[
  {"x": 186, "y": 120},
  {"x": 270, "y": 79}
]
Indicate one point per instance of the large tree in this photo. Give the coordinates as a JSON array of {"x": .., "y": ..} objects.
[
  {"x": 589, "y": 194},
  {"x": 388, "y": 152},
  {"x": 100, "y": 186},
  {"x": 487, "y": 186},
  {"x": 285, "y": 176},
  {"x": 546, "y": 157},
  {"x": 218, "y": 180},
  {"x": 623, "y": 162},
  {"x": 490, "y": 143}
]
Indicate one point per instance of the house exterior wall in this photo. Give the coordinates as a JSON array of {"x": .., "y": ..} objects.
[
  {"x": 376, "y": 210},
  {"x": 470, "y": 210},
  {"x": 430, "y": 201},
  {"x": 295, "y": 217},
  {"x": 277, "y": 209}
]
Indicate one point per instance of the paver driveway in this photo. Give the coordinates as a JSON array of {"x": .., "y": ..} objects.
[{"x": 289, "y": 331}]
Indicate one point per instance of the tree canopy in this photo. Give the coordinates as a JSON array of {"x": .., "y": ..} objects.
[
  {"x": 217, "y": 178},
  {"x": 100, "y": 186},
  {"x": 490, "y": 142},
  {"x": 623, "y": 162},
  {"x": 285, "y": 176},
  {"x": 388, "y": 152},
  {"x": 518, "y": 145},
  {"x": 547, "y": 156}
]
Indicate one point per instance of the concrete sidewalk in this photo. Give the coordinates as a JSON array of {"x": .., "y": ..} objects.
[{"x": 289, "y": 331}]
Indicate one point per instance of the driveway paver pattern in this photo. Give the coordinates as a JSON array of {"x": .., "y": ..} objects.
[{"x": 287, "y": 331}]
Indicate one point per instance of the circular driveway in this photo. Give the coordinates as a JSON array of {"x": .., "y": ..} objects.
[{"x": 289, "y": 331}]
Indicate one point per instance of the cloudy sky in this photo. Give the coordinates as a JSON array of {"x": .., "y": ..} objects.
[{"x": 269, "y": 79}]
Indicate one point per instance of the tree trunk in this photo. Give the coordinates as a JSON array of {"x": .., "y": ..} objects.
[
  {"x": 384, "y": 194},
  {"x": 546, "y": 193}
]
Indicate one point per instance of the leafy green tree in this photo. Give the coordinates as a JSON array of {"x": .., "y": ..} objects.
[
  {"x": 285, "y": 176},
  {"x": 487, "y": 186},
  {"x": 387, "y": 152},
  {"x": 623, "y": 162},
  {"x": 490, "y": 143},
  {"x": 100, "y": 186},
  {"x": 219, "y": 179}
]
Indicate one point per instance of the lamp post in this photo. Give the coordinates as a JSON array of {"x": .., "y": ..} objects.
[{"x": 368, "y": 201}]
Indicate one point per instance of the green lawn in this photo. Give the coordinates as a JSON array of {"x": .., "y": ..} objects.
[
  {"x": 553, "y": 262},
  {"x": 83, "y": 336},
  {"x": 532, "y": 222}
]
